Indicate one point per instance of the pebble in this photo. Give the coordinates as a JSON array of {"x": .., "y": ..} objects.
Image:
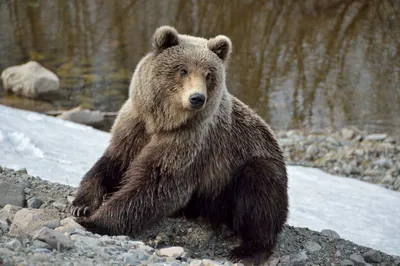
[
  {"x": 34, "y": 202},
  {"x": 312, "y": 246},
  {"x": 14, "y": 245},
  {"x": 346, "y": 263},
  {"x": 376, "y": 137},
  {"x": 171, "y": 252},
  {"x": 53, "y": 238},
  {"x": 40, "y": 244}
]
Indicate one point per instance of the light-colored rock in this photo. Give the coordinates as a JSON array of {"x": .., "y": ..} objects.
[
  {"x": 53, "y": 238},
  {"x": 330, "y": 233},
  {"x": 86, "y": 241},
  {"x": 347, "y": 133},
  {"x": 346, "y": 263},
  {"x": 70, "y": 223},
  {"x": 82, "y": 116},
  {"x": 312, "y": 246},
  {"x": 376, "y": 137},
  {"x": 70, "y": 199},
  {"x": 207, "y": 262},
  {"x": 11, "y": 208},
  {"x": 171, "y": 252},
  {"x": 12, "y": 194},
  {"x": 27, "y": 221},
  {"x": 60, "y": 206},
  {"x": 29, "y": 80},
  {"x": 14, "y": 245}
]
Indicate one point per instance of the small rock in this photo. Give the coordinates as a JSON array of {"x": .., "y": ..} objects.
[
  {"x": 34, "y": 202},
  {"x": 86, "y": 241},
  {"x": 312, "y": 151},
  {"x": 312, "y": 246},
  {"x": 3, "y": 225},
  {"x": 195, "y": 263},
  {"x": 330, "y": 233},
  {"x": 357, "y": 259},
  {"x": 60, "y": 206},
  {"x": 27, "y": 221},
  {"x": 39, "y": 257},
  {"x": 11, "y": 209},
  {"x": 388, "y": 180},
  {"x": 41, "y": 245},
  {"x": 131, "y": 258},
  {"x": 55, "y": 239},
  {"x": 171, "y": 252},
  {"x": 207, "y": 262},
  {"x": 376, "y": 137},
  {"x": 396, "y": 185},
  {"x": 12, "y": 194},
  {"x": 367, "y": 179},
  {"x": 372, "y": 256},
  {"x": 383, "y": 162},
  {"x": 347, "y": 134},
  {"x": 69, "y": 223},
  {"x": 300, "y": 259},
  {"x": 70, "y": 199},
  {"x": 346, "y": 263},
  {"x": 14, "y": 245}
]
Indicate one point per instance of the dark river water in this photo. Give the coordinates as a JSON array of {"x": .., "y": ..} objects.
[{"x": 300, "y": 63}]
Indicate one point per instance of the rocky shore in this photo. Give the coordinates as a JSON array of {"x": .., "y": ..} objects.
[
  {"x": 350, "y": 152},
  {"x": 35, "y": 229}
]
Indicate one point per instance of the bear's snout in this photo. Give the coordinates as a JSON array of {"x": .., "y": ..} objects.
[{"x": 197, "y": 100}]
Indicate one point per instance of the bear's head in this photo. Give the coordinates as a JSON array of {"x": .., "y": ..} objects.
[{"x": 181, "y": 81}]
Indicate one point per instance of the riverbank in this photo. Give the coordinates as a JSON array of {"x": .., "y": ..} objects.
[
  {"x": 349, "y": 152},
  {"x": 40, "y": 232}
]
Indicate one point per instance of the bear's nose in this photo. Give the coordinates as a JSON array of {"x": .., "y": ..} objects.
[{"x": 197, "y": 100}]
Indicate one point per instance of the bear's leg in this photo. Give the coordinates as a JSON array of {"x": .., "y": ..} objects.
[
  {"x": 260, "y": 207},
  {"x": 147, "y": 196},
  {"x": 101, "y": 179}
]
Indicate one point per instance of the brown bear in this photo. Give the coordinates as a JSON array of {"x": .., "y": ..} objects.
[{"x": 182, "y": 142}]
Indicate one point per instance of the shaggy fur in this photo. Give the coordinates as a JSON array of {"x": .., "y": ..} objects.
[{"x": 221, "y": 162}]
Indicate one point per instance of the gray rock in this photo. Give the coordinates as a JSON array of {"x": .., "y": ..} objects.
[
  {"x": 372, "y": 256},
  {"x": 34, "y": 202},
  {"x": 312, "y": 151},
  {"x": 376, "y": 137},
  {"x": 29, "y": 80},
  {"x": 14, "y": 245},
  {"x": 11, "y": 209},
  {"x": 357, "y": 259},
  {"x": 396, "y": 185},
  {"x": 60, "y": 206},
  {"x": 312, "y": 246},
  {"x": 86, "y": 241},
  {"x": 330, "y": 233},
  {"x": 346, "y": 263},
  {"x": 383, "y": 162},
  {"x": 388, "y": 180},
  {"x": 131, "y": 258},
  {"x": 27, "y": 221},
  {"x": 41, "y": 245},
  {"x": 12, "y": 194},
  {"x": 55, "y": 239},
  {"x": 300, "y": 259}
]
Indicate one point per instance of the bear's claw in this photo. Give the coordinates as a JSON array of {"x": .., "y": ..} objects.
[{"x": 78, "y": 211}]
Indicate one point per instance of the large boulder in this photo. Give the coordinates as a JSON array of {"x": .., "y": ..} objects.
[{"x": 30, "y": 80}]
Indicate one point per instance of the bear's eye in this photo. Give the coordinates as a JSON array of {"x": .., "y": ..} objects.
[{"x": 183, "y": 72}]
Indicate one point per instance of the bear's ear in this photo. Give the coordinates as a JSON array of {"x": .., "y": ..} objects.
[
  {"x": 221, "y": 46},
  {"x": 165, "y": 37}
]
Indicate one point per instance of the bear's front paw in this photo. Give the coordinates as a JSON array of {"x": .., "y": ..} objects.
[{"x": 85, "y": 204}]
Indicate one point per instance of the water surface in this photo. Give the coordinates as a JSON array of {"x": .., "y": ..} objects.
[{"x": 300, "y": 64}]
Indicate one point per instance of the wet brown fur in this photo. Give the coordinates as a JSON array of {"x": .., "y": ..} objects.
[{"x": 222, "y": 163}]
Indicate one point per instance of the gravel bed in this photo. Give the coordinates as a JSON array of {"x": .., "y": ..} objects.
[
  {"x": 349, "y": 152},
  {"x": 36, "y": 230}
]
